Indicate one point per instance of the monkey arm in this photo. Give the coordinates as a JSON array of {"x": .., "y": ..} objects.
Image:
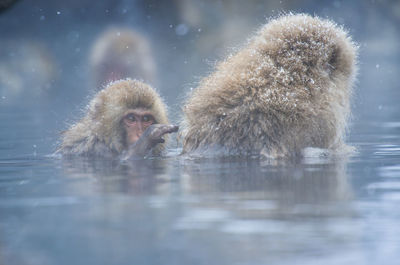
[{"x": 149, "y": 139}]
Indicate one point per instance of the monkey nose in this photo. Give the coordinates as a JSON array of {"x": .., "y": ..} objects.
[{"x": 140, "y": 127}]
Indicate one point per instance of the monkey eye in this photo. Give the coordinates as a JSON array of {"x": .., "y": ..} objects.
[
  {"x": 147, "y": 118},
  {"x": 130, "y": 117}
]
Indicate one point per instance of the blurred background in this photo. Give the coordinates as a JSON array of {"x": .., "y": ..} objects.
[
  {"x": 48, "y": 57},
  {"x": 55, "y": 55}
]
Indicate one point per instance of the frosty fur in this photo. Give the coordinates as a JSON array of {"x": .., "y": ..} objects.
[
  {"x": 100, "y": 132},
  {"x": 288, "y": 89}
]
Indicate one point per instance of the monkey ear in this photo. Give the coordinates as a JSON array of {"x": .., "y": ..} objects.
[
  {"x": 331, "y": 64},
  {"x": 96, "y": 107},
  {"x": 341, "y": 59}
]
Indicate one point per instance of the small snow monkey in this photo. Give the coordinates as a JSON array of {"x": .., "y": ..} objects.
[{"x": 126, "y": 119}]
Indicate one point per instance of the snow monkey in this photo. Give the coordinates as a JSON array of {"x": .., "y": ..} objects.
[
  {"x": 121, "y": 53},
  {"x": 288, "y": 89},
  {"x": 126, "y": 119}
]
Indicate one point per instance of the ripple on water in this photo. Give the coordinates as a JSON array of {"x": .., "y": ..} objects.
[
  {"x": 391, "y": 196},
  {"x": 201, "y": 219},
  {"x": 393, "y": 124},
  {"x": 387, "y": 185},
  {"x": 253, "y": 227},
  {"x": 387, "y": 150},
  {"x": 261, "y": 205},
  {"x": 390, "y": 190},
  {"x": 390, "y": 171},
  {"x": 38, "y": 202}
]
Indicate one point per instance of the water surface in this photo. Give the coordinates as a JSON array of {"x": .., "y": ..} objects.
[{"x": 175, "y": 210}]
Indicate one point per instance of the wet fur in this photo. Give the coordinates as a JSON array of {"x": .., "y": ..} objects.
[
  {"x": 101, "y": 132},
  {"x": 288, "y": 89}
]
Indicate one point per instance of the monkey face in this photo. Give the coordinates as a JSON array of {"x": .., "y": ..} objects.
[{"x": 136, "y": 121}]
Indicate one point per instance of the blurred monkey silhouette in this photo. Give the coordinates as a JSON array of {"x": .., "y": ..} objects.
[{"x": 120, "y": 53}]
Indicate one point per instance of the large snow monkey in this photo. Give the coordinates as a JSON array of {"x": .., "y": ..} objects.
[{"x": 288, "y": 89}]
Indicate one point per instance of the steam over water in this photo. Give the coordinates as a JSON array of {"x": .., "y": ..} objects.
[{"x": 182, "y": 210}]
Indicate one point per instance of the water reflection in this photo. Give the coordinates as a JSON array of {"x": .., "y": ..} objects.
[
  {"x": 252, "y": 191},
  {"x": 135, "y": 177},
  {"x": 264, "y": 211}
]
